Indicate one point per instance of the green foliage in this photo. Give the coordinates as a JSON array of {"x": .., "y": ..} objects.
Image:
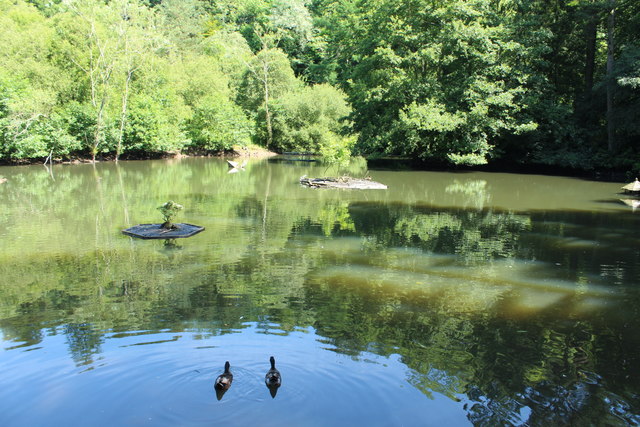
[
  {"x": 151, "y": 127},
  {"x": 267, "y": 24},
  {"x": 29, "y": 85},
  {"x": 455, "y": 82},
  {"x": 337, "y": 149},
  {"x": 230, "y": 52},
  {"x": 79, "y": 123},
  {"x": 214, "y": 122},
  {"x": 628, "y": 97},
  {"x": 169, "y": 210},
  {"x": 311, "y": 119},
  {"x": 218, "y": 124},
  {"x": 183, "y": 22},
  {"x": 96, "y": 78},
  {"x": 436, "y": 84},
  {"x": 268, "y": 76}
]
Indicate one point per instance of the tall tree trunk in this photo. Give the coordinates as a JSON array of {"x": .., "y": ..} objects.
[
  {"x": 100, "y": 74},
  {"x": 584, "y": 103},
  {"x": 123, "y": 114},
  {"x": 590, "y": 59},
  {"x": 265, "y": 69},
  {"x": 98, "y": 132},
  {"x": 610, "y": 78}
]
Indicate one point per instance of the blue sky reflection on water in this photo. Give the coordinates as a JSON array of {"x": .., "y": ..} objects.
[{"x": 166, "y": 378}]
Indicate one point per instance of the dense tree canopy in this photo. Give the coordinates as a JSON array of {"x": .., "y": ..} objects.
[{"x": 451, "y": 81}]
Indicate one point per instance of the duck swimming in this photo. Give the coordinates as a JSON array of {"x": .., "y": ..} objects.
[
  {"x": 224, "y": 380},
  {"x": 273, "y": 378}
]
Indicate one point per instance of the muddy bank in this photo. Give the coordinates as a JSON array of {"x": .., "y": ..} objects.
[{"x": 254, "y": 152}]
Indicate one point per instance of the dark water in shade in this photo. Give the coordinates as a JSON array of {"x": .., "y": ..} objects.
[{"x": 448, "y": 299}]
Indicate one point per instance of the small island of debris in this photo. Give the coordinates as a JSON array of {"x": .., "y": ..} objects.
[{"x": 344, "y": 182}]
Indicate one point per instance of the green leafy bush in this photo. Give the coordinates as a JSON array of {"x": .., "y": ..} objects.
[
  {"x": 218, "y": 124},
  {"x": 312, "y": 119},
  {"x": 169, "y": 211}
]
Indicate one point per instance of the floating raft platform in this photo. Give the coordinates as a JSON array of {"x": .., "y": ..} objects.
[
  {"x": 343, "y": 183},
  {"x": 155, "y": 231}
]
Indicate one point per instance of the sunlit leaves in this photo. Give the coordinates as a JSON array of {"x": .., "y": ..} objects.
[
  {"x": 310, "y": 119},
  {"x": 434, "y": 80},
  {"x": 269, "y": 74},
  {"x": 29, "y": 86}
]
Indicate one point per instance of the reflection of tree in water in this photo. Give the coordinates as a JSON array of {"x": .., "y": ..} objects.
[
  {"x": 475, "y": 237},
  {"x": 547, "y": 403},
  {"x": 356, "y": 167},
  {"x": 335, "y": 217},
  {"x": 474, "y": 191},
  {"x": 514, "y": 372},
  {"x": 25, "y": 328},
  {"x": 31, "y": 315},
  {"x": 84, "y": 341},
  {"x": 507, "y": 372}
]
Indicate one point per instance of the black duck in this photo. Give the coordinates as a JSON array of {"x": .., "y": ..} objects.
[{"x": 224, "y": 380}]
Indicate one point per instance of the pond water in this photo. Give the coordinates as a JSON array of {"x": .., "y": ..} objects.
[{"x": 448, "y": 299}]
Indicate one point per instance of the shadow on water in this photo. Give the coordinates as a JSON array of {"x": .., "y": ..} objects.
[
  {"x": 220, "y": 392},
  {"x": 502, "y": 315},
  {"x": 273, "y": 390}
]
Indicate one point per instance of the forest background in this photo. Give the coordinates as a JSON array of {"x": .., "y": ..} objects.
[{"x": 446, "y": 82}]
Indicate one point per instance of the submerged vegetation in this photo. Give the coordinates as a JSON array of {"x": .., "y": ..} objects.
[{"x": 451, "y": 82}]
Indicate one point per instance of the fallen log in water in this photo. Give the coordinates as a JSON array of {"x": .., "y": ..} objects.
[{"x": 345, "y": 182}]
